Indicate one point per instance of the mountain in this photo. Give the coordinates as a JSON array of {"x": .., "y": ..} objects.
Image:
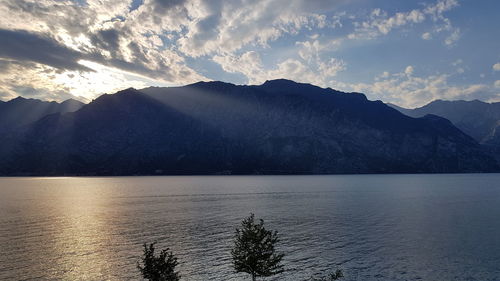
[
  {"x": 21, "y": 111},
  {"x": 478, "y": 119},
  {"x": 279, "y": 127}
]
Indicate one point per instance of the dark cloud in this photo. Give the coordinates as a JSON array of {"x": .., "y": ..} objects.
[
  {"x": 163, "y": 71},
  {"x": 56, "y": 13},
  {"x": 207, "y": 28},
  {"x": 108, "y": 39},
  {"x": 5, "y": 64},
  {"x": 137, "y": 52},
  {"x": 25, "y": 46}
]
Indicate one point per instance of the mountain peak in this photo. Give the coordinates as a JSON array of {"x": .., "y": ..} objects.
[
  {"x": 72, "y": 101},
  {"x": 128, "y": 90},
  {"x": 19, "y": 98},
  {"x": 280, "y": 80},
  {"x": 288, "y": 85},
  {"x": 210, "y": 84}
]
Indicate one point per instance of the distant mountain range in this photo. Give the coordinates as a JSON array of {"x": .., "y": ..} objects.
[
  {"x": 279, "y": 127},
  {"x": 21, "y": 111},
  {"x": 478, "y": 119}
]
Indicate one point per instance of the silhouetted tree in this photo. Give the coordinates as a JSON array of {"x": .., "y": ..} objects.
[
  {"x": 337, "y": 275},
  {"x": 253, "y": 250},
  {"x": 158, "y": 268},
  {"x": 331, "y": 276}
]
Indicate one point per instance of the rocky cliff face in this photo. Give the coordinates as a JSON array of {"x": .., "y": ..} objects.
[{"x": 280, "y": 127}]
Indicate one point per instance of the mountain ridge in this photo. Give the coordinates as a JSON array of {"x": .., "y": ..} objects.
[
  {"x": 22, "y": 111},
  {"x": 476, "y": 118},
  {"x": 279, "y": 127}
]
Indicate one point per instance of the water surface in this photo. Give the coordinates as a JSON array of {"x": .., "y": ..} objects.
[{"x": 374, "y": 227}]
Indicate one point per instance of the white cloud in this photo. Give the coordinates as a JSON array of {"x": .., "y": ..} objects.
[
  {"x": 250, "y": 65},
  {"x": 409, "y": 70},
  {"x": 497, "y": 84},
  {"x": 153, "y": 43},
  {"x": 45, "y": 82},
  {"x": 379, "y": 23},
  {"x": 427, "y": 36},
  {"x": 437, "y": 10},
  {"x": 453, "y": 37},
  {"x": 229, "y": 27},
  {"x": 154, "y": 38},
  {"x": 312, "y": 49},
  {"x": 412, "y": 91},
  {"x": 105, "y": 31},
  {"x": 37, "y": 81}
]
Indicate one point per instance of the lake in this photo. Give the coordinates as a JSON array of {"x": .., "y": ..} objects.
[{"x": 374, "y": 227}]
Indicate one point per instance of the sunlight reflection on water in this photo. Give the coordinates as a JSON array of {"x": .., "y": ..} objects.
[{"x": 375, "y": 227}]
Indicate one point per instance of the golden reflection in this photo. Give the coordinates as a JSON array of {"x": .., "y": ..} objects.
[{"x": 84, "y": 234}]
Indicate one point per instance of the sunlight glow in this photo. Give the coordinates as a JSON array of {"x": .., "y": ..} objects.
[{"x": 103, "y": 79}]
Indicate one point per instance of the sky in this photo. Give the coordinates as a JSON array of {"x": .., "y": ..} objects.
[{"x": 403, "y": 52}]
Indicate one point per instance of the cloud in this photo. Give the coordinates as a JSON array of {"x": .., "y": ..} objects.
[
  {"x": 453, "y": 37},
  {"x": 298, "y": 71},
  {"x": 409, "y": 70},
  {"x": 37, "y": 81},
  {"x": 74, "y": 35},
  {"x": 413, "y": 91},
  {"x": 104, "y": 44},
  {"x": 107, "y": 39},
  {"x": 380, "y": 23},
  {"x": 427, "y": 36},
  {"x": 441, "y": 6},
  {"x": 48, "y": 83},
  {"x": 497, "y": 84},
  {"x": 312, "y": 49},
  {"x": 60, "y": 34},
  {"x": 25, "y": 46},
  {"x": 227, "y": 26},
  {"x": 496, "y": 66},
  {"x": 250, "y": 65}
]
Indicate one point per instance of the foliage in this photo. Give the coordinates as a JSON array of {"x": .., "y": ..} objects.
[
  {"x": 337, "y": 275},
  {"x": 254, "y": 249},
  {"x": 158, "y": 268},
  {"x": 331, "y": 276}
]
